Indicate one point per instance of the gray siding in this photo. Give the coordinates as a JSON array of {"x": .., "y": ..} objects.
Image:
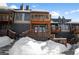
[{"x": 19, "y": 28}]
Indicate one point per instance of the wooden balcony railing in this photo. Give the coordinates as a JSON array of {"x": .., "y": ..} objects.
[
  {"x": 11, "y": 33},
  {"x": 40, "y": 19},
  {"x": 6, "y": 21}
]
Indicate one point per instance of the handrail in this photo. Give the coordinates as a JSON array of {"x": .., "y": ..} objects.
[{"x": 11, "y": 33}]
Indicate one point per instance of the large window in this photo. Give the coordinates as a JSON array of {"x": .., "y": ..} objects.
[
  {"x": 2, "y": 26},
  {"x": 26, "y": 17},
  {"x": 22, "y": 16},
  {"x": 4, "y": 17},
  {"x": 18, "y": 16},
  {"x": 64, "y": 27},
  {"x": 40, "y": 28}
]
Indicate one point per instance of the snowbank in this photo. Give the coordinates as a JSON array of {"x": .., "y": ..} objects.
[
  {"x": 29, "y": 46},
  {"x": 5, "y": 40},
  {"x": 77, "y": 49}
]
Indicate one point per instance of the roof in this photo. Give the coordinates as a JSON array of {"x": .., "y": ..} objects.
[
  {"x": 54, "y": 22},
  {"x": 39, "y": 10},
  {"x": 72, "y": 22},
  {"x": 32, "y": 11},
  {"x": 57, "y": 20},
  {"x": 18, "y": 10},
  {"x": 4, "y": 9}
]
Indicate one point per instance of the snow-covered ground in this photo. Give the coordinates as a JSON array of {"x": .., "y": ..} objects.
[
  {"x": 5, "y": 40},
  {"x": 77, "y": 49},
  {"x": 29, "y": 46}
]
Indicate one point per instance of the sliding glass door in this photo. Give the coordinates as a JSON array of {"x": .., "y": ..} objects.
[{"x": 40, "y": 28}]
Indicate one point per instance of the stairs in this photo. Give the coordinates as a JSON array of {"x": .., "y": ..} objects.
[{"x": 11, "y": 34}]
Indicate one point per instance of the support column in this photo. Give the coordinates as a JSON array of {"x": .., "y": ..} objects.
[
  {"x": 49, "y": 29},
  {"x": 30, "y": 26}
]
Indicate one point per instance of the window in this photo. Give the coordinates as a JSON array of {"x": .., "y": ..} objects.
[
  {"x": 26, "y": 16},
  {"x": 22, "y": 16},
  {"x": 40, "y": 28},
  {"x": 44, "y": 29},
  {"x": 4, "y": 17},
  {"x": 18, "y": 16},
  {"x": 36, "y": 29},
  {"x": 64, "y": 27},
  {"x": 53, "y": 27}
]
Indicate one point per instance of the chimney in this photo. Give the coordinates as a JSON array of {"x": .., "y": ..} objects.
[
  {"x": 59, "y": 17},
  {"x": 22, "y": 7},
  {"x": 63, "y": 17},
  {"x": 27, "y": 7}
]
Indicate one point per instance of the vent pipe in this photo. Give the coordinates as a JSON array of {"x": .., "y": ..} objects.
[
  {"x": 22, "y": 7},
  {"x": 27, "y": 7}
]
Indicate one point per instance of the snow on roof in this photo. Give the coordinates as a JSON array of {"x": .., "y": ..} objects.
[
  {"x": 73, "y": 22},
  {"x": 34, "y": 10},
  {"x": 4, "y": 7},
  {"x": 54, "y": 22},
  {"x": 38, "y": 10},
  {"x": 21, "y": 10}
]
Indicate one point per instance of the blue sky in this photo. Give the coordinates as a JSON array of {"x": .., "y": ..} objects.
[{"x": 68, "y": 10}]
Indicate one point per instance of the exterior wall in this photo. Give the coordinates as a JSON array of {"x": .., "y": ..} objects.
[
  {"x": 77, "y": 35},
  {"x": 41, "y": 18},
  {"x": 20, "y": 27},
  {"x": 64, "y": 28},
  {"x": 21, "y": 22}
]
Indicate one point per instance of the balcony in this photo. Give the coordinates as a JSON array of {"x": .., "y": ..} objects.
[
  {"x": 40, "y": 21},
  {"x": 6, "y": 21},
  {"x": 37, "y": 19}
]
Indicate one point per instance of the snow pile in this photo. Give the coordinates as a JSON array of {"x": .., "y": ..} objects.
[
  {"x": 5, "y": 40},
  {"x": 77, "y": 49},
  {"x": 57, "y": 48},
  {"x": 28, "y": 46}
]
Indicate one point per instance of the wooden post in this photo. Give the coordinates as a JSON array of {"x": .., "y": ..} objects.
[
  {"x": 49, "y": 28},
  {"x": 30, "y": 25}
]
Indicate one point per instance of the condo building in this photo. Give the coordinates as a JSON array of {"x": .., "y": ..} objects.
[{"x": 37, "y": 24}]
